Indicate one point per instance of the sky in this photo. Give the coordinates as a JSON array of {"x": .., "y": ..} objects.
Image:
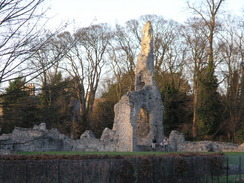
[{"x": 86, "y": 12}]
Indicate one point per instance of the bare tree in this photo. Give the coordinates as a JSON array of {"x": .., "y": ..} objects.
[
  {"x": 45, "y": 61},
  {"x": 123, "y": 50},
  {"x": 231, "y": 47},
  {"x": 208, "y": 15},
  {"x": 196, "y": 57},
  {"x": 17, "y": 26},
  {"x": 209, "y": 105},
  {"x": 84, "y": 63},
  {"x": 241, "y": 45}
]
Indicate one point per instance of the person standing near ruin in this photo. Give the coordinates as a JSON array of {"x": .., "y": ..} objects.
[
  {"x": 154, "y": 141},
  {"x": 166, "y": 144}
]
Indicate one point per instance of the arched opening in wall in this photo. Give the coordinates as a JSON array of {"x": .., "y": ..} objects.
[{"x": 142, "y": 124}]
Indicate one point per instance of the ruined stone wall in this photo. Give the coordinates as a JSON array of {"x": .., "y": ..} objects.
[
  {"x": 123, "y": 126},
  {"x": 177, "y": 143},
  {"x": 138, "y": 115},
  {"x": 41, "y": 140}
]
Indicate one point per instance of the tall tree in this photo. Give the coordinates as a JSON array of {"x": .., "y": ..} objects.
[
  {"x": 122, "y": 52},
  {"x": 230, "y": 43},
  {"x": 84, "y": 63},
  {"x": 46, "y": 60},
  {"x": 196, "y": 60},
  {"x": 241, "y": 48},
  {"x": 208, "y": 109}
]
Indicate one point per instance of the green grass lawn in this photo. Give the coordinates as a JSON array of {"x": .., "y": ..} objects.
[
  {"x": 92, "y": 153},
  {"x": 231, "y": 155},
  {"x": 235, "y": 158},
  {"x": 231, "y": 179}
]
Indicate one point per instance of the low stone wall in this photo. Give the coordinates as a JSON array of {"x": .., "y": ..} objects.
[
  {"x": 39, "y": 139},
  {"x": 207, "y": 146},
  {"x": 177, "y": 143},
  {"x": 42, "y": 140},
  {"x": 101, "y": 169}
]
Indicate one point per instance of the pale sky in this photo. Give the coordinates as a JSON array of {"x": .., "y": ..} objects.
[{"x": 85, "y": 12}]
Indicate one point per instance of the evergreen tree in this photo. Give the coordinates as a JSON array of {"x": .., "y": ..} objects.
[
  {"x": 209, "y": 107},
  {"x": 177, "y": 111},
  {"x": 54, "y": 104},
  {"x": 19, "y": 108}
]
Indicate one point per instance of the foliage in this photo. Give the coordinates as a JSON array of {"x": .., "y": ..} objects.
[
  {"x": 174, "y": 90},
  {"x": 54, "y": 103},
  {"x": 103, "y": 112},
  {"x": 116, "y": 89},
  {"x": 209, "y": 106},
  {"x": 102, "y": 116},
  {"x": 19, "y": 108},
  {"x": 240, "y": 135},
  {"x": 232, "y": 112}
]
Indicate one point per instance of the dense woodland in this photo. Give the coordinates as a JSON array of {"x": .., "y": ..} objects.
[{"x": 199, "y": 68}]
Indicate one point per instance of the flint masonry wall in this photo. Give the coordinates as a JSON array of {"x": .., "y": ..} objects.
[
  {"x": 177, "y": 143},
  {"x": 138, "y": 115},
  {"x": 40, "y": 140}
]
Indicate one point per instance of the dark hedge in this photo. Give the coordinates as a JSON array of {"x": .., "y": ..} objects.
[{"x": 169, "y": 168}]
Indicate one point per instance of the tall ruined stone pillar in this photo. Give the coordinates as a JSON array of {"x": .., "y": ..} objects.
[
  {"x": 144, "y": 71},
  {"x": 138, "y": 115}
]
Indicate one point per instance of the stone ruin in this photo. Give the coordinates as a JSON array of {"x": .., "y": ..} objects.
[
  {"x": 177, "y": 143},
  {"x": 138, "y": 115},
  {"x": 40, "y": 139},
  {"x": 138, "y": 118}
]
